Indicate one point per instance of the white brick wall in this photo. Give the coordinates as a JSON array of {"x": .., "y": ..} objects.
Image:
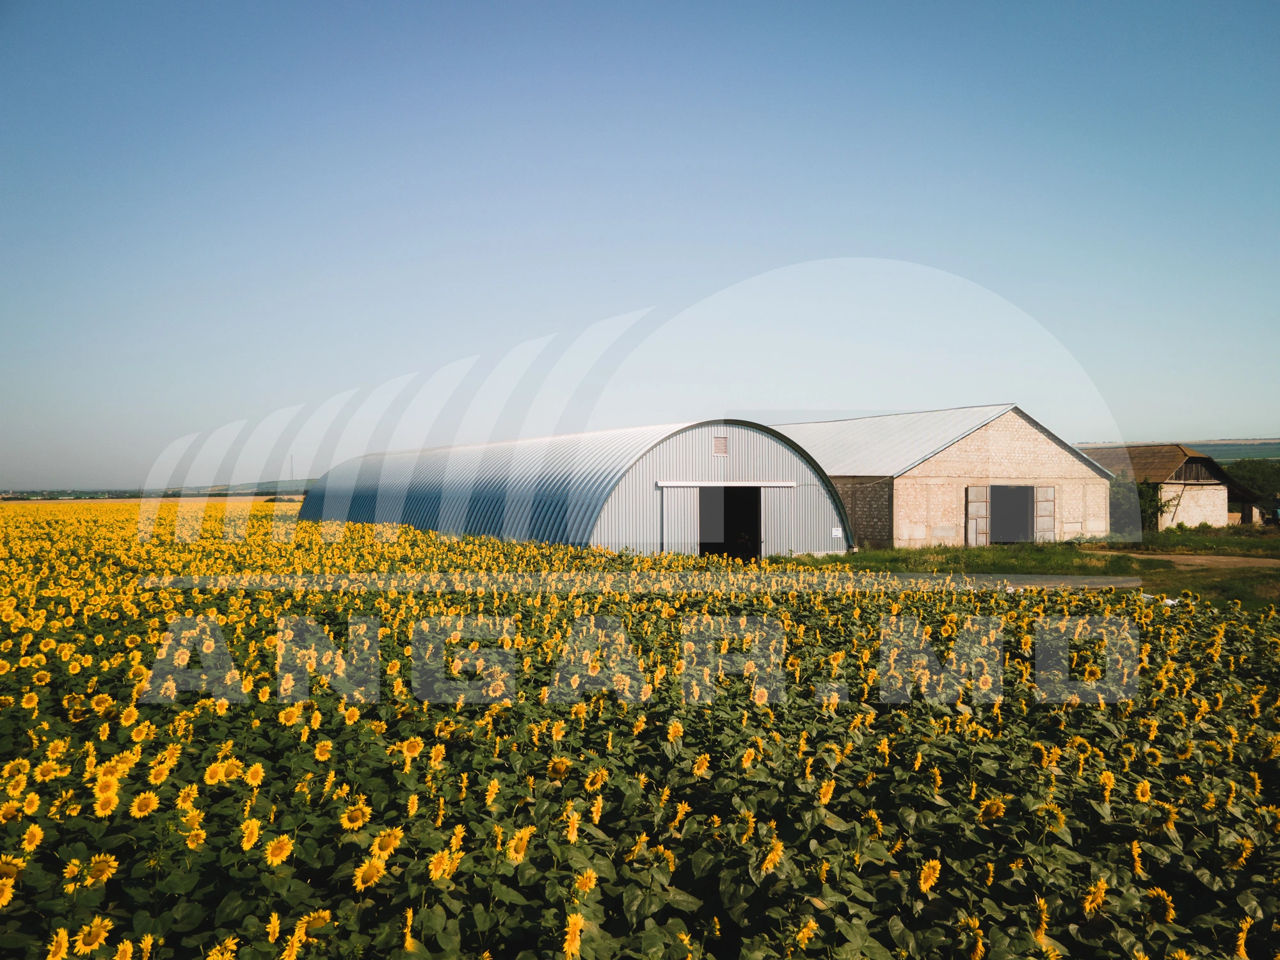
[
  {"x": 1194, "y": 504},
  {"x": 929, "y": 499}
]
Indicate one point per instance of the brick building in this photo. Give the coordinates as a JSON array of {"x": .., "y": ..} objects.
[
  {"x": 1192, "y": 485},
  {"x": 964, "y": 476}
]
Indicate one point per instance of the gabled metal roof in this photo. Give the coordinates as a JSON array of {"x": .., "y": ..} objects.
[
  {"x": 891, "y": 444},
  {"x": 888, "y": 445}
]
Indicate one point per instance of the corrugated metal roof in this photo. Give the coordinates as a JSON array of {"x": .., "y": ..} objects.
[
  {"x": 549, "y": 488},
  {"x": 888, "y": 445}
]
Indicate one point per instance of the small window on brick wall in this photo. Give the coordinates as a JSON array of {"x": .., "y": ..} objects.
[{"x": 720, "y": 446}]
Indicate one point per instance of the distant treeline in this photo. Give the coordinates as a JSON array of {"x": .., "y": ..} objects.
[{"x": 1260, "y": 476}]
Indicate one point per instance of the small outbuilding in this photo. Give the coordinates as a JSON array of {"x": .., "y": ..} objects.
[
  {"x": 962, "y": 476},
  {"x": 717, "y": 486},
  {"x": 1191, "y": 484}
]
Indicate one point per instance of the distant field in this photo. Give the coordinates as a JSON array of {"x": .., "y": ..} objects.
[{"x": 1225, "y": 451}]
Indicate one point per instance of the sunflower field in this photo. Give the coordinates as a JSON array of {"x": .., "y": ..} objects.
[{"x": 229, "y": 735}]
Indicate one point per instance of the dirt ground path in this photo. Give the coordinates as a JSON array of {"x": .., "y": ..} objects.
[{"x": 1213, "y": 560}]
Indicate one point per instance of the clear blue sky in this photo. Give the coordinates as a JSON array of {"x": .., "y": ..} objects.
[{"x": 211, "y": 211}]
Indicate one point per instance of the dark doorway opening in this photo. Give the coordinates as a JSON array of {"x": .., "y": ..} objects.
[
  {"x": 1012, "y": 514},
  {"x": 729, "y": 521}
]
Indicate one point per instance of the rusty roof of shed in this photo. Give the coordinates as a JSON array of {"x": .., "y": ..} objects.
[{"x": 1144, "y": 462}]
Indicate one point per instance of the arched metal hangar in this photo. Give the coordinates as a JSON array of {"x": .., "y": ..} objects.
[{"x": 716, "y": 486}]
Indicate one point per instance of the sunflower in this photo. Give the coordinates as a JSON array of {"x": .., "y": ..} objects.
[
  {"x": 144, "y": 804},
  {"x": 518, "y": 845},
  {"x": 92, "y": 935},
  {"x": 249, "y": 833},
  {"x": 992, "y": 809},
  {"x": 316, "y": 919},
  {"x": 368, "y": 873},
  {"x": 557, "y": 767},
  {"x": 356, "y": 815},
  {"x": 824, "y": 794},
  {"x": 31, "y": 839},
  {"x": 1095, "y": 897},
  {"x": 929, "y": 874},
  {"x": 1162, "y": 896},
  {"x": 278, "y": 850},
  {"x": 253, "y": 776},
  {"x": 439, "y": 865},
  {"x": 6, "y": 891},
  {"x": 806, "y": 933},
  {"x": 11, "y": 866},
  {"x": 384, "y": 845},
  {"x": 573, "y": 935},
  {"x": 586, "y": 881},
  {"x": 102, "y": 867},
  {"x": 772, "y": 858},
  {"x": 58, "y": 945}
]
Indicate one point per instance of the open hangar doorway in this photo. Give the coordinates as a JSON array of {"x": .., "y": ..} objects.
[{"x": 729, "y": 521}]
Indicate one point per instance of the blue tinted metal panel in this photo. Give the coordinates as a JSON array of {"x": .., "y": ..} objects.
[
  {"x": 547, "y": 489},
  {"x": 555, "y": 489}
]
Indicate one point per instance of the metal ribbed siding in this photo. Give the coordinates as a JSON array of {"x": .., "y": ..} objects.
[
  {"x": 547, "y": 489},
  {"x": 679, "y": 509},
  {"x": 797, "y": 519},
  {"x": 598, "y": 488}
]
